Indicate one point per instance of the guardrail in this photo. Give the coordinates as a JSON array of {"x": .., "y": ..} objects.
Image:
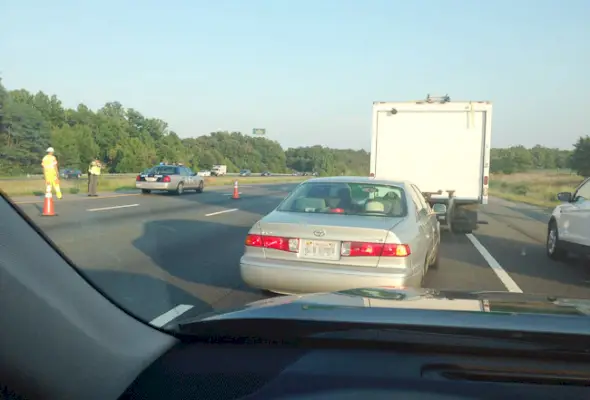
[{"x": 39, "y": 176}]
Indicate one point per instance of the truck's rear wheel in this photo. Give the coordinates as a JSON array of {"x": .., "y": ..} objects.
[
  {"x": 462, "y": 228},
  {"x": 463, "y": 220}
]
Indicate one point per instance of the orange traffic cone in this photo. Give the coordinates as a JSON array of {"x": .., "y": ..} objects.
[
  {"x": 48, "y": 209},
  {"x": 236, "y": 194}
]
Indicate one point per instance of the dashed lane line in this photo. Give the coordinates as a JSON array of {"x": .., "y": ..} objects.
[
  {"x": 221, "y": 212},
  {"x": 112, "y": 208}
]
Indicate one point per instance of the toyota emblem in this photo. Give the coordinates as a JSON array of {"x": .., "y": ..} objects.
[{"x": 319, "y": 233}]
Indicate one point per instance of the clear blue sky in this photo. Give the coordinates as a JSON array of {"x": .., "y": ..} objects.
[{"x": 308, "y": 71}]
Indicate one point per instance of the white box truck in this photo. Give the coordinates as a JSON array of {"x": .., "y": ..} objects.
[
  {"x": 440, "y": 145},
  {"x": 219, "y": 170}
]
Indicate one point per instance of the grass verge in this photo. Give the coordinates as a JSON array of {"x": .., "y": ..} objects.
[
  {"x": 538, "y": 188},
  {"x": 35, "y": 187}
]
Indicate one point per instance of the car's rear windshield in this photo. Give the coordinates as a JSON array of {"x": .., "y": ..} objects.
[
  {"x": 163, "y": 170},
  {"x": 366, "y": 199}
]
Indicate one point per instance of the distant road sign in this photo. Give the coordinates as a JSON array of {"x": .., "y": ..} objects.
[{"x": 258, "y": 131}]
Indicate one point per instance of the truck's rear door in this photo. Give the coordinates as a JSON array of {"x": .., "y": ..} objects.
[{"x": 440, "y": 146}]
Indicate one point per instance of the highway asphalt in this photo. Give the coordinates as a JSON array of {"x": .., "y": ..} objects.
[{"x": 154, "y": 254}]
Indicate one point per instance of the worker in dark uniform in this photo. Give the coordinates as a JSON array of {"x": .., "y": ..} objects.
[{"x": 93, "y": 174}]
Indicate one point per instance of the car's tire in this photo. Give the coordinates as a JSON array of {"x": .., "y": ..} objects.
[
  {"x": 145, "y": 191},
  {"x": 436, "y": 260},
  {"x": 180, "y": 189},
  {"x": 424, "y": 272},
  {"x": 201, "y": 187},
  {"x": 553, "y": 246}
]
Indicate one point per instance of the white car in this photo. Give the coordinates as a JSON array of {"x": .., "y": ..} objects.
[
  {"x": 569, "y": 226},
  {"x": 204, "y": 173},
  {"x": 170, "y": 178},
  {"x": 343, "y": 233}
]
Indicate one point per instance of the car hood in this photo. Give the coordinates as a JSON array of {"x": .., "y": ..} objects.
[{"x": 425, "y": 307}]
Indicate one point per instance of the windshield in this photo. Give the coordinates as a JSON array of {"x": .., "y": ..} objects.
[
  {"x": 364, "y": 199},
  {"x": 326, "y": 162}
]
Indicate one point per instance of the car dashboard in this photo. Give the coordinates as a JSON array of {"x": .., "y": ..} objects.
[{"x": 267, "y": 371}]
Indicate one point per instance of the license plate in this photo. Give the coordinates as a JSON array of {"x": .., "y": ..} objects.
[
  {"x": 319, "y": 249},
  {"x": 151, "y": 179}
]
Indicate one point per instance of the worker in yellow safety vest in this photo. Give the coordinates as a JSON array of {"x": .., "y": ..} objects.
[
  {"x": 93, "y": 174},
  {"x": 51, "y": 172}
]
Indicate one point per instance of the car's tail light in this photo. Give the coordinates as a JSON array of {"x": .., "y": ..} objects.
[
  {"x": 166, "y": 179},
  {"x": 138, "y": 178},
  {"x": 273, "y": 242},
  {"x": 364, "y": 249}
]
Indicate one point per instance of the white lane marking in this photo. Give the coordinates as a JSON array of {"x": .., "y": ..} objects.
[
  {"x": 168, "y": 316},
  {"x": 495, "y": 265},
  {"x": 221, "y": 212},
  {"x": 112, "y": 208}
]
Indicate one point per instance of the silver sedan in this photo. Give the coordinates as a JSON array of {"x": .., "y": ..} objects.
[
  {"x": 341, "y": 233},
  {"x": 171, "y": 178}
]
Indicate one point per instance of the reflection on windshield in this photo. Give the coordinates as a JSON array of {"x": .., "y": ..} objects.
[{"x": 377, "y": 293}]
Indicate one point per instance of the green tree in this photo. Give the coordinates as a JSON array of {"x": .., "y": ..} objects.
[
  {"x": 580, "y": 158},
  {"x": 519, "y": 159},
  {"x": 127, "y": 141}
]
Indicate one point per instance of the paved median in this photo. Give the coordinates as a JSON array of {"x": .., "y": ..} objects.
[{"x": 34, "y": 187}]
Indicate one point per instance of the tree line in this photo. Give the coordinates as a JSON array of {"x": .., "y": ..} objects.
[
  {"x": 520, "y": 159},
  {"x": 124, "y": 140},
  {"x": 127, "y": 141}
]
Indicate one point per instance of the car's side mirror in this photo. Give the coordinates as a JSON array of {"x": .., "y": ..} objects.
[
  {"x": 564, "y": 197},
  {"x": 439, "y": 209}
]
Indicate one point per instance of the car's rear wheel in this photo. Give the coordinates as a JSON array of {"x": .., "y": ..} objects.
[
  {"x": 424, "y": 271},
  {"x": 201, "y": 187},
  {"x": 554, "y": 247},
  {"x": 145, "y": 191},
  {"x": 436, "y": 260},
  {"x": 180, "y": 189}
]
